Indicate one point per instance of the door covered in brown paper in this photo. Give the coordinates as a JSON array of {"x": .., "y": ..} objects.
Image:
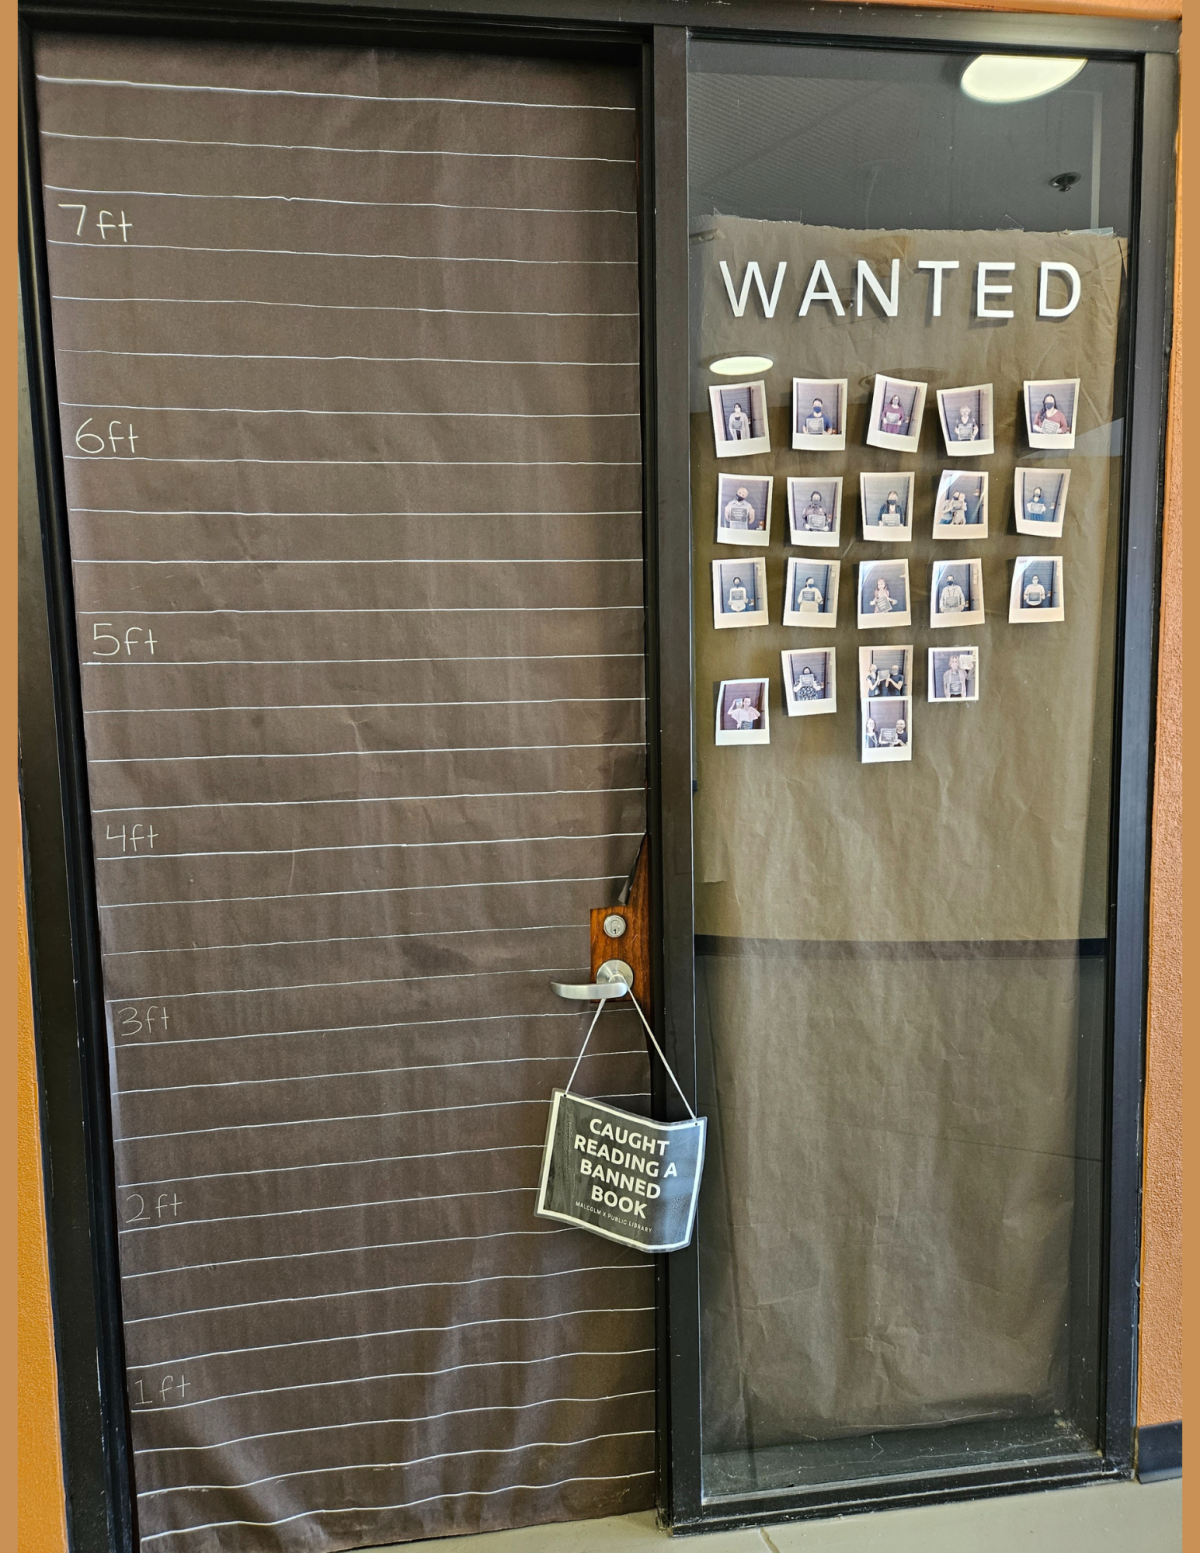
[{"x": 347, "y": 354}]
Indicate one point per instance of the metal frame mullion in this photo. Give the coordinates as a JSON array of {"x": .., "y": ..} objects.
[{"x": 1148, "y": 369}]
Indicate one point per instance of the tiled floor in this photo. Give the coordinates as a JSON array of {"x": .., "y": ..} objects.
[{"x": 1104, "y": 1518}]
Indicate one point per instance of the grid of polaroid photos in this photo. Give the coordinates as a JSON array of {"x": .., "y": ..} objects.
[{"x": 887, "y": 514}]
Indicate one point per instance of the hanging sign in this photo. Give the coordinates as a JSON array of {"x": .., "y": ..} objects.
[{"x": 625, "y": 1177}]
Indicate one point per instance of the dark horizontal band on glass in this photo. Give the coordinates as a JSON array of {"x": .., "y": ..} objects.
[{"x": 904, "y": 949}]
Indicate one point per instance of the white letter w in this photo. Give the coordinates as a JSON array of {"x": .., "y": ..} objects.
[{"x": 753, "y": 273}]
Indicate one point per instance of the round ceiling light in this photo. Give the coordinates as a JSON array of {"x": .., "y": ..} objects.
[
  {"x": 740, "y": 366},
  {"x": 1000, "y": 78}
]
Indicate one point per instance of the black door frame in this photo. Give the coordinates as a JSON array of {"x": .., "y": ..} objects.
[{"x": 63, "y": 932}]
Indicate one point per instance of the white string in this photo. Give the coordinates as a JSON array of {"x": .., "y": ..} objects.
[
  {"x": 586, "y": 1039},
  {"x": 662, "y": 1055}
]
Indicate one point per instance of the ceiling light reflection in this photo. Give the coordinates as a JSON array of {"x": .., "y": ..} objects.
[{"x": 998, "y": 78}]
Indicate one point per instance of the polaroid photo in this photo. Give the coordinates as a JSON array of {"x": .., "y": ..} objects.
[
  {"x": 743, "y": 716},
  {"x": 954, "y": 674},
  {"x": 896, "y": 410},
  {"x": 739, "y": 592},
  {"x": 961, "y": 508},
  {"x": 819, "y": 414},
  {"x": 1040, "y": 501},
  {"x": 1050, "y": 409},
  {"x": 886, "y": 503},
  {"x": 815, "y": 510},
  {"x": 886, "y": 730},
  {"x": 744, "y": 509},
  {"x": 884, "y": 598},
  {"x": 968, "y": 421},
  {"x": 956, "y": 596},
  {"x": 885, "y": 673},
  {"x": 810, "y": 593},
  {"x": 739, "y": 415},
  {"x": 809, "y": 681},
  {"x": 1037, "y": 589}
]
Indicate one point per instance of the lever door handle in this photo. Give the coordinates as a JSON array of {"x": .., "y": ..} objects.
[{"x": 613, "y": 980}]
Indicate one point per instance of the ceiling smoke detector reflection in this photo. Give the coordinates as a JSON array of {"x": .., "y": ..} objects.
[
  {"x": 740, "y": 366},
  {"x": 998, "y": 78}
]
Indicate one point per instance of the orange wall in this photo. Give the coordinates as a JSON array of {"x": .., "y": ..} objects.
[
  {"x": 1160, "y": 1394},
  {"x": 41, "y": 1518},
  {"x": 40, "y": 1500}
]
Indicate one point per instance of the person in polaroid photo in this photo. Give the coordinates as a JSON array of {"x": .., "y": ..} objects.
[
  {"x": 883, "y": 594},
  {"x": 956, "y": 597},
  {"x": 884, "y": 671},
  {"x": 744, "y": 509},
  {"x": 739, "y": 416},
  {"x": 815, "y": 510},
  {"x": 810, "y": 593},
  {"x": 1039, "y": 501},
  {"x": 1037, "y": 590},
  {"x": 743, "y": 715},
  {"x": 960, "y": 509},
  {"x": 967, "y": 421},
  {"x": 953, "y": 674},
  {"x": 809, "y": 682},
  {"x": 739, "y": 593},
  {"x": 1050, "y": 406},
  {"x": 892, "y": 681},
  {"x": 886, "y": 505},
  {"x": 897, "y": 407},
  {"x": 886, "y": 731},
  {"x": 818, "y": 414}
]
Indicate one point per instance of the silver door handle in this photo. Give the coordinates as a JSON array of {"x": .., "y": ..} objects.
[{"x": 613, "y": 980}]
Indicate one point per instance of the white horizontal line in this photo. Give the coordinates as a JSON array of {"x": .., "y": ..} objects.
[
  {"x": 492, "y": 657},
  {"x": 365, "y": 463},
  {"x": 372, "y": 1466},
  {"x": 418, "y": 1067},
  {"x": 271, "y": 145},
  {"x": 313, "y": 1121},
  {"x": 343, "y": 307},
  {"x": 399, "y": 1024},
  {"x": 209, "y": 663},
  {"x": 353, "y": 938},
  {"x": 410, "y": 1504},
  {"x": 453, "y": 749},
  {"x": 385, "y": 1245},
  {"x": 432, "y": 609},
  {"x": 218, "y": 512},
  {"x": 346, "y": 706},
  {"x": 369, "y": 1423},
  {"x": 450, "y": 1369},
  {"x": 317, "y": 1121},
  {"x": 392, "y": 1288},
  {"x": 280, "y": 91},
  {"x": 472, "y": 415},
  {"x": 306, "y": 803},
  {"x": 312, "y": 986},
  {"x": 357, "y": 1337},
  {"x": 324, "y": 1164},
  {"x": 389, "y": 889},
  {"x": 362, "y": 846},
  {"x": 322, "y": 253},
  {"x": 368, "y": 560},
  {"x": 342, "y": 1207},
  {"x": 452, "y": 361},
  {"x": 313, "y": 199}
]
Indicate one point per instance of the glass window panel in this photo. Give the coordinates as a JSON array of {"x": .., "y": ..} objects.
[{"x": 902, "y": 959}]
